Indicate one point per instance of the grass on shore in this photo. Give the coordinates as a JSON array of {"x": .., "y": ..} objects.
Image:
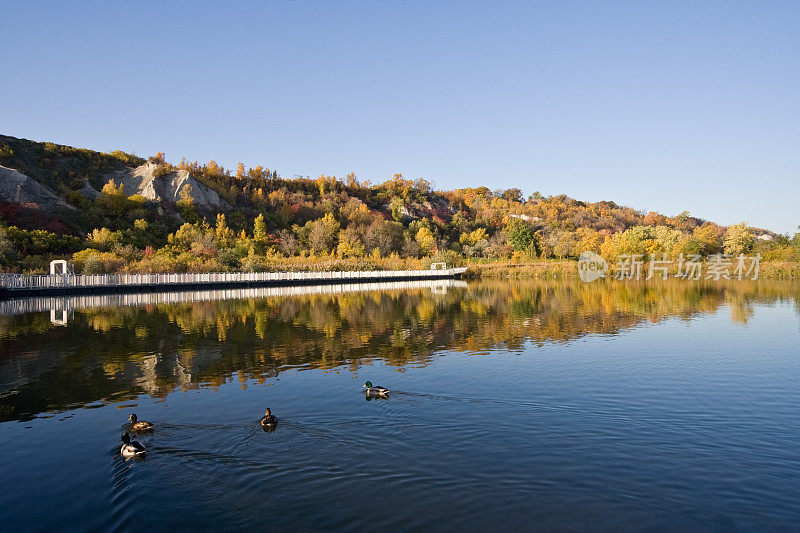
[{"x": 568, "y": 269}]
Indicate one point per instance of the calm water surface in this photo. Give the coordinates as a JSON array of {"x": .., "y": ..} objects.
[{"x": 515, "y": 405}]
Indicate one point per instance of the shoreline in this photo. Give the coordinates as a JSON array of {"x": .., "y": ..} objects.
[{"x": 568, "y": 269}]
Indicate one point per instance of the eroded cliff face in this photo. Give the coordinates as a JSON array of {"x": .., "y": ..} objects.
[
  {"x": 144, "y": 180},
  {"x": 17, "y": 187}
]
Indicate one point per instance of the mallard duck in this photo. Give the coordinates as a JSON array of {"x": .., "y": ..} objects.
[
  {"x": 130, "y": 448},
  {"x": 375, "y": 390},
  {"x": 138, "y": 425},
  {"x": 269, "y": 419}
]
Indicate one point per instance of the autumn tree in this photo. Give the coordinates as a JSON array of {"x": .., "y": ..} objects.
[
  {"x": 199, "y": 239},
  {"x": 385, "y": 236},
  {"x": 112, "y": 198},
  {"x": 473, "y": 237},
  {"x": 105, "y": 239},
  {"x": 474, "y": 242},
  {"x": 111, "y": 189},
  {"x": 426, "y": 240},
  {"x": 512, "y": 195},
  {"x": 260, "y": 234},
  {"x": 185, "y": 205},
  {"x": 708, "y": 235},
  {"x": 320, "y": 235},
  {"x": 588, "y": 239},
  {"x": 224, "y": 234},
  {"x": 257, "y": 173},
  {"x": 214, "y": 168},
  {"x": 350, "y": 243},
  {"x": 738, "y": 240},
  {"x": 288, "y": 244}
]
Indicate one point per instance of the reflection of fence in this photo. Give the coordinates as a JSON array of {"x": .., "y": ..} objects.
[
  {"x": 22, "y": 285},
  {"x": 61, "y": 307}
]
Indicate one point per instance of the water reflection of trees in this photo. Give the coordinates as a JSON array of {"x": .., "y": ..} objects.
[{"x": 113, "y": 354}]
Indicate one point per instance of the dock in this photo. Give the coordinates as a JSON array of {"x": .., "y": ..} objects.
[{"x": 22, "y": 285}]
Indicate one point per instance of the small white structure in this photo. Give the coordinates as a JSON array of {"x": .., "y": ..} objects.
[
  {"x": 59, "y": 317},
  {"x": 438, "y": 266},
  {"x": 526, "y": 218},
  {"x": 61, "y": 267},
  {"x": 766, "y": 237}
]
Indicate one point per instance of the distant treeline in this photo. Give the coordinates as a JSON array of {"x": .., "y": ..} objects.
[{"x": 279, "y": 223}]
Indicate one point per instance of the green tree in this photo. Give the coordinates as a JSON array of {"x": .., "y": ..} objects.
[
  {"x": 536, "y": 196},
  {"x": 397, "y": 213},
  {"x": 260, "y": 229},
  {"x": 6, "y": 248},
  {"x": 260, "y": 234},
  {"x": 522, "y": 236}
]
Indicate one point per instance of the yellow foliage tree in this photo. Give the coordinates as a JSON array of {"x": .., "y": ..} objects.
[
  {"x": 473, "y": 237},
  {"x": 224, "y": 234},
  {"x": 111, "y": 189},
  {"x": 425, "y": 240}
]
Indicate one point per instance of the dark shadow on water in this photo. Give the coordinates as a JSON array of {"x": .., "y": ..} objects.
[{"x": 370, "y": 397}]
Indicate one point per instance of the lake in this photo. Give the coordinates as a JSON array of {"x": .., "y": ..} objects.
[{"x": 515, "y": 405}]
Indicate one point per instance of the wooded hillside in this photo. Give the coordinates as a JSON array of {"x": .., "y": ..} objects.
[{"x": 265, "y": 221}]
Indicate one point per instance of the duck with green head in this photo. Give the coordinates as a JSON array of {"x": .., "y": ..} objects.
[
  {"x": 375, "y": 390},
  {"x": 130, "y": 448}
]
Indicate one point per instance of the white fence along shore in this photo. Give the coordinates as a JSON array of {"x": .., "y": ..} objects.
[
  {"x": 19, "y": 284},
  {"x": 60, "y": 306}
]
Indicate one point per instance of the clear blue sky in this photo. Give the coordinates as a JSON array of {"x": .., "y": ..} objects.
[{"x": 666, "y": 106}]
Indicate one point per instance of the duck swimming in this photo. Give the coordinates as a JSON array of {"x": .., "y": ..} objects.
[
  {"x": 130, "y": 448},
  {"x": 375, "y": 390},
  {"x": 138, "y": 425},
  {"x": 269, "y": 419}
]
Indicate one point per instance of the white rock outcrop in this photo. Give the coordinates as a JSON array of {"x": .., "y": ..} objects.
[
  {"x": 142, "y": 180},
  {"x": 17, "y": 187}
]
